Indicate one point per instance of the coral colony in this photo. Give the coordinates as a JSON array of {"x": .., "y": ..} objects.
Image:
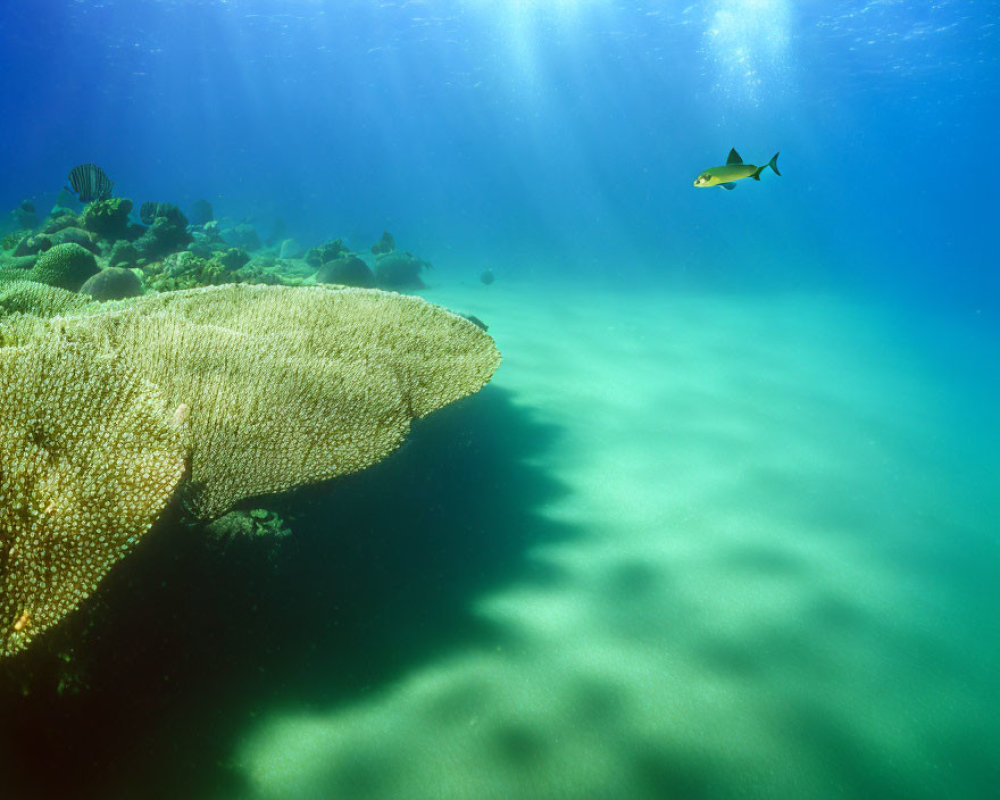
[{"x": 144, "y": 360}]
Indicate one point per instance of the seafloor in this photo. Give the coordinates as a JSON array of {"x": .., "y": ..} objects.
[
  {"x": 685, "y": 545},
  {"x": 758, "y": 561}
]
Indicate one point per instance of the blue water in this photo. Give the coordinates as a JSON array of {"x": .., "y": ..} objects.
[
  {"x": 530, "y": 129},
  {"x": 556, "y": 143}
]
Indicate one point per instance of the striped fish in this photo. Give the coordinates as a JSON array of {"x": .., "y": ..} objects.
[
  {"x": 148, "y": 211},
  {"x": 90, "y": 183}
]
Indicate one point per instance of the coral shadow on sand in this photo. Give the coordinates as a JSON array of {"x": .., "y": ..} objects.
[{"x": 380, "y": 574}]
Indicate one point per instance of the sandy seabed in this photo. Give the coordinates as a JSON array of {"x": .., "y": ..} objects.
[{"x": 777, "y": 575}]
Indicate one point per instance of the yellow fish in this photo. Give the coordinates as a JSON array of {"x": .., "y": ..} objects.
[{"x": 734, "y": 170}]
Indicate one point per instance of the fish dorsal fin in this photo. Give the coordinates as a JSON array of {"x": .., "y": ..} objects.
[{"x": 734, "y": 158}]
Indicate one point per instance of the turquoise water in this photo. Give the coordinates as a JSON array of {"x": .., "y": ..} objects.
[{"x": 725, "y": 522}]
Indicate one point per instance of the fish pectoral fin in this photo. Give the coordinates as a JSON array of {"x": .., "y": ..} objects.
[
  {"x": 730, "y": 186},
  {"x": 734, "y": 158}
]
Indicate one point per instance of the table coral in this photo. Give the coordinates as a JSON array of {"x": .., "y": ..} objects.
[{"x": 257, "y": 389}]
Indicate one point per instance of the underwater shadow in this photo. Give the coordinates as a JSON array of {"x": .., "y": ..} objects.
[{"x": 189, "y": 639}]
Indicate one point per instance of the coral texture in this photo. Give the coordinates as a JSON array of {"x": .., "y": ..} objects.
[
  {"x": 347, "y": 271},
  {"x": 108, "y": 218},
  {"x": 66, "y": 265},
  {"x": 292, "y": 385},
  {"x": 112, "y": 283},
  {"x": 398, "y": 270},
  {"x": 89, "y": 457},
  {"x": 258, "y": 388},
  {"x": 33, "y": 298}
]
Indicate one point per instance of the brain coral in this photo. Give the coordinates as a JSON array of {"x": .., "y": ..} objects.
[
  {"x": 66, "y": 266},
  {"x": 348, "y": 271},
  {"x": 89, "y": 457},
  {"x": 396, "y": 270},
  {"x": 112, "y": 283}
]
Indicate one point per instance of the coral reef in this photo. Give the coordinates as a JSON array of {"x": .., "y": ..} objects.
[
  {"x": 243, "y": 235},
  {"x": 112, "y": 283},
  {"x": 206, "y": 240},
  {"x": 27, "y": 297},
  {"x": 348, "y": 270},
  {"x": 290, "y": 248},
  {"x": 232, "y": 259},
  {"x": 399, "y": 270},
  {"x": 66, "y": 266},
  {"x": 167, "y": 232},
  {"x": 318, "y": 256},
  {"x": 61, "y": 218},
  {"x": 89, "y": 456},
  {"x": 256, "y": 523},
  {"x": 149, "y": 211},
  {"x": 123, "y": 253},
  {"x": 169, "y": 212},
  {"x": 32, "y": 245},
  {"x": 251, "y": 364},
  {"x": 77, "y": 236},
  {"x": 17, "y": 264},
  {"x": 384, "y": 245},
  {"x": 258, "y": 389},
  {"x": 108, "y": 218},
  {"x": 10, "y": 240},
  {"x": 185, "y": 270}
]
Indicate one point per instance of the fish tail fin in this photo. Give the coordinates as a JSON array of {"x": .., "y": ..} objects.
[{"x": 773, "y": 164}]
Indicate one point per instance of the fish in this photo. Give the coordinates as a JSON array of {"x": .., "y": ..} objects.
[
  {"x": 734, "y": 170},
  {"x": 90, "y": 183},
  {"x": 148, "y": 212}
]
